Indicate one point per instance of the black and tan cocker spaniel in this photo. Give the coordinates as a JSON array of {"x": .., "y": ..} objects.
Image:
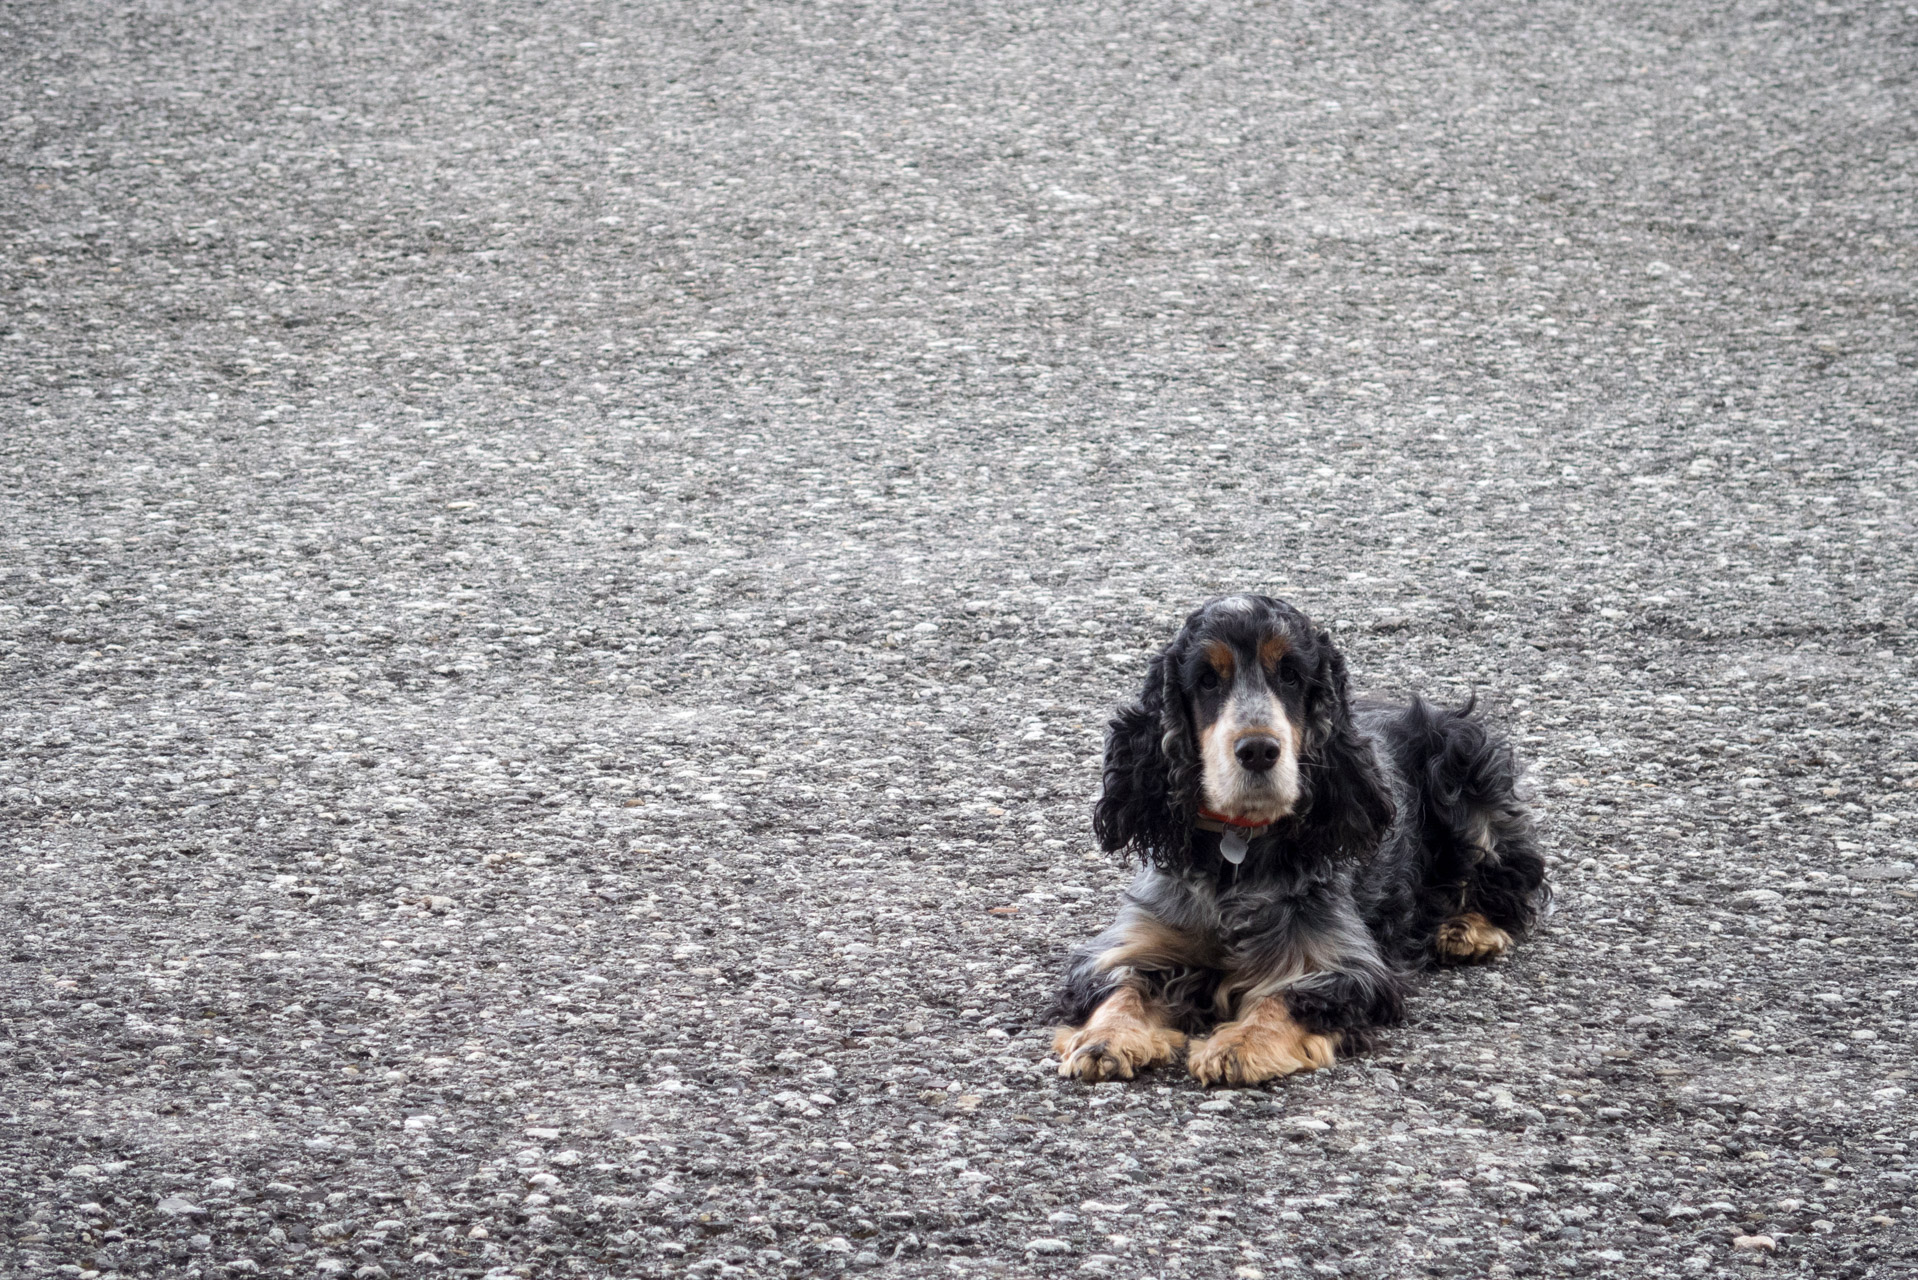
[{"x": 1301, "y": 856}]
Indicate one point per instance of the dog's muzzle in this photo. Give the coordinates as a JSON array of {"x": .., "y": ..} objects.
[{"x": 1257, "y": 752}]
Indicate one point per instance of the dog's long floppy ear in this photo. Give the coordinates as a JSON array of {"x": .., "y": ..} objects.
[
  {"x": 1348, "y": 807},
  {"x": 1149, "y": 792}
]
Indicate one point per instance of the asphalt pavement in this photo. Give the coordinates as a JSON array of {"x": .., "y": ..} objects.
[{"x": 563, "y": 566}]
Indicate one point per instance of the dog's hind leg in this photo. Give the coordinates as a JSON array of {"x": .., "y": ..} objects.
[
  {"x": 1504, "y": 887},
  {"x": 1470, "y": 937},
  {"x": 1485, "y": 862}
]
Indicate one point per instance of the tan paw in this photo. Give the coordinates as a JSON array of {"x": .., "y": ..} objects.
[
  {"x": 1472, "y": 937},
  {"x": 1119, "y": 1039},
  {"x": 1262, "y": 1045}
]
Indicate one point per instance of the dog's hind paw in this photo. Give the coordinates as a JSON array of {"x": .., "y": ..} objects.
[
  {"x": 1115, "y": 1042},
  {"x": 1471, "y": 937}
]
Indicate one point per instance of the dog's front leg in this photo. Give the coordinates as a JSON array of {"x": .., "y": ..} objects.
[
  {"x": 1117, "y": 1009},
  {"x": 1308, "y": 982},
  {"x": 1263, "y": 1042},
  {"x": 1126, "y": 1032}
]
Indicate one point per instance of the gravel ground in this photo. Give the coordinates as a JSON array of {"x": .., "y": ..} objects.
[{"x": 564, "y": 565}]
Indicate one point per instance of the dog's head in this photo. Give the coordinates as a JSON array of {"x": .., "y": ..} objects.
[{"x": 1246, "y": 715}]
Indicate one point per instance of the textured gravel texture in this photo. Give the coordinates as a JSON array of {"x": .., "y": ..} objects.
[{"x": 564, "y": 566}]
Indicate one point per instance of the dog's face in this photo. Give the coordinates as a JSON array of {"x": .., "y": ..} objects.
[
  {"x": 1243, "y": 675},
  {"x": 1246, "y": 714}
]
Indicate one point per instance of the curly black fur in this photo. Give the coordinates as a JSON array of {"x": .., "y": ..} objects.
[
  {"x": 1346, "y": 804},
  {"x": 1465, "y": 785},
  {"x": 1150, "y": 792},
  {"x": 1150, "y": 783},
  {"x": 1405, "y": 818}
]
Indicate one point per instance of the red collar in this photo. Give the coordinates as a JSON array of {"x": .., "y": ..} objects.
[{"x": 1252, "y": 829}]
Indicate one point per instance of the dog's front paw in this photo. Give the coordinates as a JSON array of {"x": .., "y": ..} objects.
[
  {"x": 1263, "y": 1045},
  {"x": 1472, "y": 937},
  {"x": 1115, "y": 1051},
  {"x": 1115, "y": 1043}
]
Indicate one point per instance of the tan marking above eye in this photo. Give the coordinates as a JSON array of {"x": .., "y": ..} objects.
[
  {"x": 1219, "y": 655},
  {"x": 1271, "y": 649}
]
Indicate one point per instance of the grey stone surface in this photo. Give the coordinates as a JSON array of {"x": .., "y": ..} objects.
[{"x": 561, "y": 560}]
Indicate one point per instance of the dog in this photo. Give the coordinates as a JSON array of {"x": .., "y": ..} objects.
[{"x": 1301, "y": 856}]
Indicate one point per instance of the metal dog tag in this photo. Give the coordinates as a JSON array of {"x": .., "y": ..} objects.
[{"x": 1232, "y": 845}]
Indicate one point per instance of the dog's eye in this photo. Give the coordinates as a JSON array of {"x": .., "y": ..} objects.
[
  {"x": 1208, "y": 680},
  {"x": 1290, "y": 675}
]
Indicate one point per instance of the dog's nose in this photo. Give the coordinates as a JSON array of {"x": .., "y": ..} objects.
[{"x": 1257, "y": 753}]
